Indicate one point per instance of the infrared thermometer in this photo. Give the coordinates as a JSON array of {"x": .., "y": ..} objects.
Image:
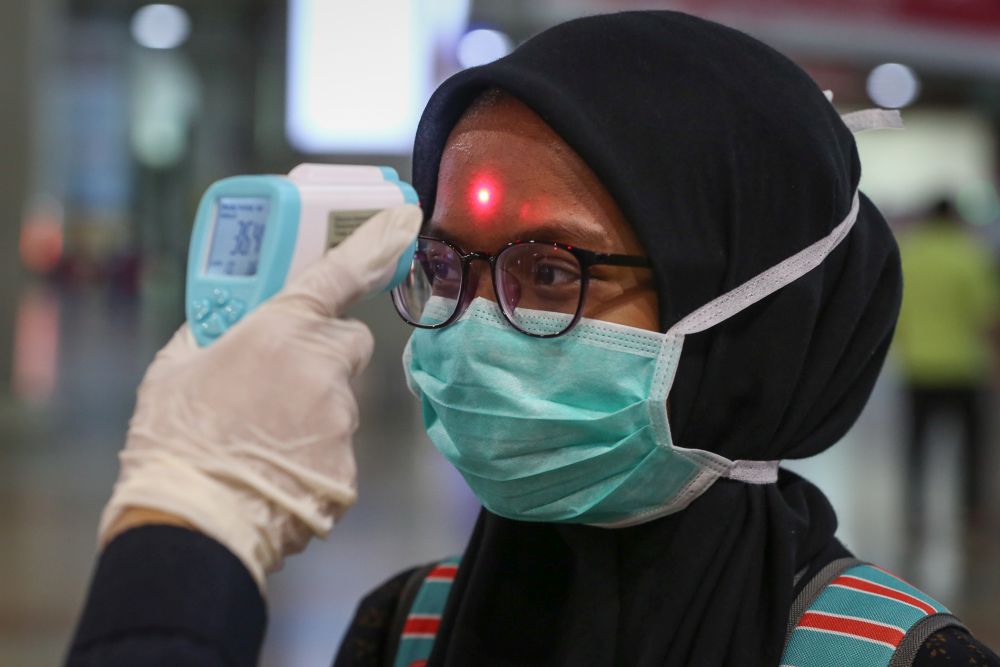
[{"x": 252, "y": 234}]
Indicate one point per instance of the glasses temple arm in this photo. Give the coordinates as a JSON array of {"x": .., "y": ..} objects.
[{"x": 620, "y": 260}]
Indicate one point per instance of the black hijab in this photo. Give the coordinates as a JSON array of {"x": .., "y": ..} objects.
[{"x": 726, "y": 159}]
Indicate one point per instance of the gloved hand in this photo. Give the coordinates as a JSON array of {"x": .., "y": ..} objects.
[{"x": 249, "y": 439}]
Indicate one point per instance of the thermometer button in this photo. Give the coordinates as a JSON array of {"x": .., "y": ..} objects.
[
  {"x": 200, "y": 309},
  {"x": 233, "y": 311},
  {"x": 221, "y": 296},
  {"x": 214, "y": 326}
]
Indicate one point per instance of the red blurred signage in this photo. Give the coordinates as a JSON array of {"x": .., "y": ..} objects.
[
  {"x": 974, "y": 15},
  {"x": 977, "y": 14}
]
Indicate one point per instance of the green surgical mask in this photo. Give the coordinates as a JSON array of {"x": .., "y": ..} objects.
[{"x": 574, "y": 428}]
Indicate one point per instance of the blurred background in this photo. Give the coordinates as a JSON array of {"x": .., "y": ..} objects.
[{"x": 117, "y": 115}]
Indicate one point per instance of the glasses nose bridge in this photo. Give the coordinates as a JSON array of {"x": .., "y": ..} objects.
[{"x": 480, "y": 288}]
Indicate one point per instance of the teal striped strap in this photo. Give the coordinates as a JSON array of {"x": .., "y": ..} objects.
[
  {"x": 861, "y": 615},
  {"x": 420, "y": 628}
]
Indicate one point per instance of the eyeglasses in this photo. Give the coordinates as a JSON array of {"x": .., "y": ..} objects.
[{"x": 540, "y": 287}]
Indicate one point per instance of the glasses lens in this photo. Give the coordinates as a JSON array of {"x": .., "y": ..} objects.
[
  {"x": 540, "y": 287},
  {"x": 429, "y": 294}
]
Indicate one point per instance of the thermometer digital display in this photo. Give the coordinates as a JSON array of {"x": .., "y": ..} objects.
[
  {"x": 239, "y": 233},
  {"x": 254, "y": 233}
]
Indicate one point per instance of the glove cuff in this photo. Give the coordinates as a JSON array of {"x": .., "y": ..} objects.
[{"x": 166, "y": 483}]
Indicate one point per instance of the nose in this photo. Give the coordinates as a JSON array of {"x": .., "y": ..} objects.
[
  {"x": 480, "y": 281},
  {"x": 480, "y": 285}
]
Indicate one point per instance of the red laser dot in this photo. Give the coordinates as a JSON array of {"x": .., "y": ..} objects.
[{"x": 485, "y": 196}]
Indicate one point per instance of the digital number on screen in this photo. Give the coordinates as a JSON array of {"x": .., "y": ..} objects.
[{"x": 239, "y": 233}]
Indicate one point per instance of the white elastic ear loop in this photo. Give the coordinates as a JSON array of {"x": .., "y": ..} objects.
[
  {"x": 799, "y": 264},
  {"x": 873, "y": 119},
  {"x": 769, "y": 282},
  {"x": 732, "y": 302},
  {"x": 869, "y": 119}
]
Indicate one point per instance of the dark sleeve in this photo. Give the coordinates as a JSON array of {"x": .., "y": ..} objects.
[
  {"x": 165, "y": 595},
  {"x": 954, "y": 646},
  {"x": 369, "y": 639}
]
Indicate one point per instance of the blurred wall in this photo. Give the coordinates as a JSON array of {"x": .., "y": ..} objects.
[{"x": 15, "y": 84}]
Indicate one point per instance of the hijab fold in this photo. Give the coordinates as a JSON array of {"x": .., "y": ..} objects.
[{"x": 726, "y": 159}]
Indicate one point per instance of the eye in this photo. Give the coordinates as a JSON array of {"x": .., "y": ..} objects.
[
  {"x": 441, "y": 266},
  {"x": 443, "y": 270},
  {"x": 549, "y": 273}
]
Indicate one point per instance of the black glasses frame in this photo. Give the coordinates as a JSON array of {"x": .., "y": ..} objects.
[{"x": 586, "y": 258}]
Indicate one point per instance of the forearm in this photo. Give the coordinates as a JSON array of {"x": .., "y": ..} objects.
[{"x": 166, "y": 595}]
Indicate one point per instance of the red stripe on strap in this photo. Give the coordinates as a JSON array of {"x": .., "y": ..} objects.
[
  {"x": 421, "y": 625},
  {"x": 866, "y": 586},
  {"x": 442, "y": 573},
  {"x": 855, "y": 627}
]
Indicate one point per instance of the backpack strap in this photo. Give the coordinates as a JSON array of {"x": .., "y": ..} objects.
[
  {"x": 418, "y": 615},
  {"x": 406, "y": 597},
  {"x": 812, "y": 589},
  {"x": 854, "y": 613}
]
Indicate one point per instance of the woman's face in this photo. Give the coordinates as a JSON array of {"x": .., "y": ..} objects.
[{"x": 506, "y": 176}]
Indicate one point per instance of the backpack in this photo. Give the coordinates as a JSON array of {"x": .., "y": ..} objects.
[{"x": 849, "y": 613}]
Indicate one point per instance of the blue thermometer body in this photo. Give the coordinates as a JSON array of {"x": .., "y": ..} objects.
[{"x": 254, "y": 233}]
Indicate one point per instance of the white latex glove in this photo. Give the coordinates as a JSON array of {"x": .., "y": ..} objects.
[{"x": 249, "y": 439}]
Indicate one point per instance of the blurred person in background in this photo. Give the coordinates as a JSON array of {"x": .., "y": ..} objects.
[
  {"x": 944, "y": 344},
  {"x": 627, "y": 207}
]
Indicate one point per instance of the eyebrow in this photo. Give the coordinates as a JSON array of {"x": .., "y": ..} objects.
[{"x": 569, "y": 231}]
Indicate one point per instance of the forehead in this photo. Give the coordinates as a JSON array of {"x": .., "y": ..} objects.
[{"x": 506, "y": 175}]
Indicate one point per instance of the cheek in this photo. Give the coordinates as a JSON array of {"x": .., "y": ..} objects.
[{"x": 633, "y": 305}]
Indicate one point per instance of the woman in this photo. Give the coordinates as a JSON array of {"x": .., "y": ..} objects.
[{"x": 686, "y": 160}]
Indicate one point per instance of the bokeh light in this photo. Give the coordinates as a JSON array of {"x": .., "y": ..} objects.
[
  {"x": 161, "y": 26},
  {"x": 979, "y": 203},
  {"x": 893, "y": 86},
  {"x": 481, "y": 46}
]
